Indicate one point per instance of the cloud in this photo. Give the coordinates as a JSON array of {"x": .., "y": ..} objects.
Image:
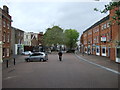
[{"x": 38, "y": 16}]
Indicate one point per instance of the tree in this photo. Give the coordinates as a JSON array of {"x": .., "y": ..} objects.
[
  {"x": 71, "y": 38},
  {"x": 115, "y": 18},
  {"x": 111, "y": 6},
  {"x": 53, "y": 36}
]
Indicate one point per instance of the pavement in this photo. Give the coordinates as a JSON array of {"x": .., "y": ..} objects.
[
  {"x": 18, "y": 59},
  {"x": 100, "y": 60}
]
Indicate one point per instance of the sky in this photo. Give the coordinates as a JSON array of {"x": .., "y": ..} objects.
[{"x": 37, "y": 15}]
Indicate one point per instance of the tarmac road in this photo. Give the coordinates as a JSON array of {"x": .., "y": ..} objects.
[{"x": 69, "y": 73}]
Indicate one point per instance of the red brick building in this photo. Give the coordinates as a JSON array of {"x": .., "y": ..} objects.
[
  {"x": 6, "y": 32},
  {"x": 102, "y": 38}
]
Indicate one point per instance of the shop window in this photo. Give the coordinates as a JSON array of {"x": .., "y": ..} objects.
[
  {"x": 103, "y": 51},
  {"x": 7, "y": 52},
  {"x": 97, "y": 50},
  {"x": 3, "y": 52},
  {"x": 118, "y": 52}
]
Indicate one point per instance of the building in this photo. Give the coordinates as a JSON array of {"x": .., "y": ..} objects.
[
  {"x": 27, "y": 38},
  {"x": 5, "y": 32},
  {"x": 102, "y": 38},
  {"x": 40, "y": 38},
  {"x": 0, "y": 35},
  {"x": 17, "y": 41}
]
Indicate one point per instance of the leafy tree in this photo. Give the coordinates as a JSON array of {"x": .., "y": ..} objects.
[
  {"x": 116, "y": 17},
  {"x": 53, "y": 36},
  {"x": 70, "y": 38},
  {"x": 111, "y": 6}
]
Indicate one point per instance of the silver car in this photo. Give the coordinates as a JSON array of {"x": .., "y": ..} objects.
[
  {"x": 37, "y": 56},
  {"x": 27, "y": 53}
]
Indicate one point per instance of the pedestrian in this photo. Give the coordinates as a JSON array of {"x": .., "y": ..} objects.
[{"x": 60, "y": 55}]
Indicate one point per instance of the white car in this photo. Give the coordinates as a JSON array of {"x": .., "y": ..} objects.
[{"x": 27, "y": 53}]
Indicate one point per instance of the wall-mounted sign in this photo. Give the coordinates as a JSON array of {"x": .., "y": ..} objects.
[{"x": 103, "y": 38}]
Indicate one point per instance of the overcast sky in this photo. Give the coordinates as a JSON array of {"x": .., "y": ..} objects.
[{"x": 37, "y": 16}]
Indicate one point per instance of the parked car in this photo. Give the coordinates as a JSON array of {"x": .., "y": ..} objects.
[
  {"x": 37, "y": 56},
  {"x": 27, "y": 53}
]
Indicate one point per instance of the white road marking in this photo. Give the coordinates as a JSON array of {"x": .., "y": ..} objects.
[
  {"x": 9, "y": 77},
  {"x": 108, "y": 69}
]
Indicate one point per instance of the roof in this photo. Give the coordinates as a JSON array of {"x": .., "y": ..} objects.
[{"x": 98, "y": 23}]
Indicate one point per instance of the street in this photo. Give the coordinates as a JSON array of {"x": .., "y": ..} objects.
[{"x": 71, "y": 72}]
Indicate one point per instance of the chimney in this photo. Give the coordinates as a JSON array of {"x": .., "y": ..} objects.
[{"x": 6, "y": 9}]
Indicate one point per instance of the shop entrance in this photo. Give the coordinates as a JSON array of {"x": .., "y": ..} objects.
[{"x": 118, "y": 54}]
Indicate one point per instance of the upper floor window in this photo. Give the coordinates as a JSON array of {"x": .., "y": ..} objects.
[
  {"x": 26, "y": 36},
  {"x": 108, "y": 24},
  {"x": 8, "y": 25},
  {"x": 8, "y": 38},
  {"x": 102, "y": 27},
  {"x": 89, "y": 33},
  {"x": 4, "y": 24},
  {"x": 105, "y": 26},
  {"x": 4, "y": 37}
]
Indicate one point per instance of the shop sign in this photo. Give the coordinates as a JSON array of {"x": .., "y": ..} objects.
[{"x": 103, "y": 38}]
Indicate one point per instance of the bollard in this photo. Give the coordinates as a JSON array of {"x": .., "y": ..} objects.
[
  {"x": 7, "y": 63},
  {"x": 14, "y": 61}
]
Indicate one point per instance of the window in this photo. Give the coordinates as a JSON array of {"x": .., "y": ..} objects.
[
  {"x": 4, "y": 24},
  {"x": 26, "y": 36},
  {"x": 97, "y": 39},
  {"x": 8, "y": 38},
  {"x": 7, "y": 52},
  {"x": 105, "y": 26},
  {"x": 4, "y": 37},
  {"x": 108, "y": 24},
  {"x": 108, "y": 37},
  {"x": 118, "y": 52},
  {"x": 8, "y": 25},
  {"x": 97, "y": 50},
  {"x": 3, "y": 52},
  {"x": 89, "y": 33},
  {"x": 102, "y": 27},
  {"x": 103, "y": 51}
]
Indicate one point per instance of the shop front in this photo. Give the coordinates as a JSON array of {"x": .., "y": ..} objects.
[
  {"x": 98, "y": 50},
  {"x": 118, "y": 54}
]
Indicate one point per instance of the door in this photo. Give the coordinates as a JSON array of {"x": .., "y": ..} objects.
[
  {"x": 109, "y": 52},
  {"x": 118, "y": 54}
]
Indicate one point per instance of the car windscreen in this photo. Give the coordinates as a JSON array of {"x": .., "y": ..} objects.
[{"x": 36, "y": 54}]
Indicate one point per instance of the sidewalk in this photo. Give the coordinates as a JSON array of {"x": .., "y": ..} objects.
[
  {"x": 103, "y": 61},
  {"x": 18, "y": 59}
]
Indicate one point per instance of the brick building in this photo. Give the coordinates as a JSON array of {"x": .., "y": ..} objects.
[
  {"x": 5, "y": 32},
  {"x": 102, "y": 38}
]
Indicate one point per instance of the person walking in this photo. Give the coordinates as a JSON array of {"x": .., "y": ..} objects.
[{"x": 60, "y": 55}]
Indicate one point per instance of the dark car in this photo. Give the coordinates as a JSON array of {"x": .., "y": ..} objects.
[{"x": 37, "y": 56}]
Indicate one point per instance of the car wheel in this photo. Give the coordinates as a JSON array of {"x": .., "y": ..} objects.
[
  {"x": 28, "y": 60},
  {"x": 42, "y": 59}
]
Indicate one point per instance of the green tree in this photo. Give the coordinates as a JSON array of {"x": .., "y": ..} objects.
[
  {"x": 53, "y": 36},
  {"x": 111, "y": 6},
  {"x": 71, "y": 38},
  {"x": 116, "y": 17}
]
